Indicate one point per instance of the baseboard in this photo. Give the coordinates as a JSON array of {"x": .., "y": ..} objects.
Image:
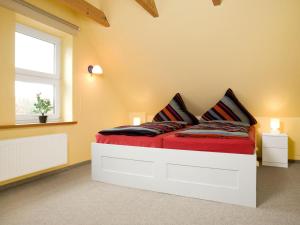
[
  {"x": 294, "y": 161},
  {"x": 290, "y": 160},
  {"x": 43, "y": 175}
]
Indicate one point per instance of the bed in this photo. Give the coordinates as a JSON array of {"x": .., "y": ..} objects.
[{"x": 211, "y": 173}]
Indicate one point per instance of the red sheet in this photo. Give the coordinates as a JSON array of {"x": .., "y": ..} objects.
[
  {"x": 230, "y": 145},
  {"x": 142, "y": 141},
  {"x": 169, "y": 140}
]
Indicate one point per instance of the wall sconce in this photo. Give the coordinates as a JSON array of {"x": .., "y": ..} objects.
[
  {"x": 275, "y": 125},
  {"x": 96, "y": 69}
]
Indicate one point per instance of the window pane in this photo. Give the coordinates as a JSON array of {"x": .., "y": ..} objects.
[
  {"x": 34, "y": 54},
  {"x": 26, "y": 96}
]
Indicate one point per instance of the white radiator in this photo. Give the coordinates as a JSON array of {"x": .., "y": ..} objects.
[{"x": 27, "y": 155}]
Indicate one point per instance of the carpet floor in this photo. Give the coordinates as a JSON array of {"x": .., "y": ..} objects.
[{"x": 72, "y": 198}]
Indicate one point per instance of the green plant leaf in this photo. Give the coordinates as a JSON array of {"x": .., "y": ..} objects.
[{"x": 42, "y": 105}]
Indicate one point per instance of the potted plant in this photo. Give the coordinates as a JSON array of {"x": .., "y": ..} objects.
[{"x": 42, "y": 106}]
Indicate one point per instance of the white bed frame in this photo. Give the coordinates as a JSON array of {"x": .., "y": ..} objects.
[{"x": 221, "y": 177}]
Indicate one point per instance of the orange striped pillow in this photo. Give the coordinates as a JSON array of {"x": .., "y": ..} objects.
[
  {"x": 229, "y": 108},
  {"x": 176, "y": 111}
]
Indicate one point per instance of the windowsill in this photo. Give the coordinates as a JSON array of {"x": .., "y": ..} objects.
[{"x": 24, "y": 125}]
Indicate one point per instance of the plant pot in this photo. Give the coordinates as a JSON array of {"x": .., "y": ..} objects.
[{"x": 43, "y": 119}]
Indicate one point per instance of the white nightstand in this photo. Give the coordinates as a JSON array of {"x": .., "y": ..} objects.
[{"x": 275, "y": 150}]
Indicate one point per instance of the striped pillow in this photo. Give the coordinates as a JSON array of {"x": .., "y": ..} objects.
[
  {"x": 229, "y": 108},
  {"x": 216, "y": 129},
  {"x": 176, "y": 111}
]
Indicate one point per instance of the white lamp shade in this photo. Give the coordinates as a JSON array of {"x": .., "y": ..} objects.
[
  {"x": 275, "y": 125},
  {"x": 136, "y": 121},
  {"x": 97, "y": 69}
]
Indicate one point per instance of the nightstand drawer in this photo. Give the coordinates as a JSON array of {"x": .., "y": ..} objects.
[
  {"x": 278, "y": 155},
  {"x": 275, "y": 142}
]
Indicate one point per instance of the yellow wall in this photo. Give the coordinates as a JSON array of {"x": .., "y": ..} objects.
[
  {"x": 95, "y": 104},
  {"x": 200, "y": 50},
  {"x": 7, "y": 28},
  {"x": 251, "y": 46}
]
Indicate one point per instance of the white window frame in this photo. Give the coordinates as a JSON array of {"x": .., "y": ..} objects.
[{"x": 32, "y": 76}]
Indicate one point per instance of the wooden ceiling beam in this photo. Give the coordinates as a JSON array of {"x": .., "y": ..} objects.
[
  {"x": 217, "y": 2},
  {"x": 88, "y": 10},
  {"x": 149, "y": 6}
]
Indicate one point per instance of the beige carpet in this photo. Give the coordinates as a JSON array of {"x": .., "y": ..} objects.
[{"x": 71, "y": 198}]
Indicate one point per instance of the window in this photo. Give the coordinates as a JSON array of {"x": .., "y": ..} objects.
[{"x": 37, "y": 62}]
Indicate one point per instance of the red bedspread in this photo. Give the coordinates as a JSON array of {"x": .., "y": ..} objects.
[
  {"x": 142, "y": 141},
  {"x": 232, "y": 145},
  {"x": 170, "y": 141}
]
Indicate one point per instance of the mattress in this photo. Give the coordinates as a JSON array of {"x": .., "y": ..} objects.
[
  {"x": 226, "y": 145},
  {"x": 142, "y": 141}
]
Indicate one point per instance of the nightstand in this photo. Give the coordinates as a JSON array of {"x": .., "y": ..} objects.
[{"x": 275, "y": 150}]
